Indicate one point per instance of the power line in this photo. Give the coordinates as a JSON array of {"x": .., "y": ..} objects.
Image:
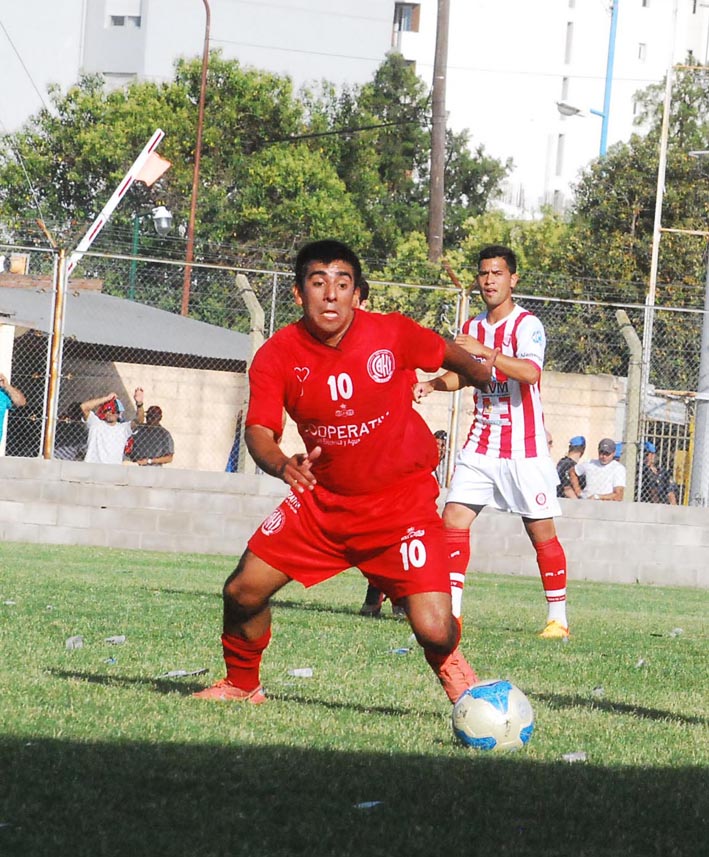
[{"x": 22, "y": 63}]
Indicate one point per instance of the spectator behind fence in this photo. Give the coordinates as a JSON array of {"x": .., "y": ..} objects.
[
  {"x": 605, "y": 477},
  {"x": 71, "y": 436},
  {"x": 10, "y": 398},
  {"x": 657, "y": 484},
  {"x": 442, "y": 441},
  {"x": 108, "y": 436},
  {"x": 152, "y": 445},
  {"x": 577, "y": 447},
  {"x": 232, "y": 464}
]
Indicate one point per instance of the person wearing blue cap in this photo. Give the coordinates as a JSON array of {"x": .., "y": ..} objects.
[
  {"x": 657, "y": 485},
  {"x": 577, "y": 447}
]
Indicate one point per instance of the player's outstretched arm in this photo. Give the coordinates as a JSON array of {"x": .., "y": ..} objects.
[
  {"x": 517, "y": 368},
  {"x": 295, "y": 471},
  {"x": 470, "y": 372}
]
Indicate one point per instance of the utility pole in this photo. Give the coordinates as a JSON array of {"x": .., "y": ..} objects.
[{"x": 436, "y": 203}]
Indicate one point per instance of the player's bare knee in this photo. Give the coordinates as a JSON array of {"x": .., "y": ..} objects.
[{"x": 438, "y": 635}]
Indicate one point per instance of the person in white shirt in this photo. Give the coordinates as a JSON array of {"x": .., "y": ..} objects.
[
  {"x": 605, "y": 477},
  {"x": 107, "y": 437},
  {"x": 505, "y": 461}
]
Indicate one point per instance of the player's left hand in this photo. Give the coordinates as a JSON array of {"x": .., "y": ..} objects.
[{"x": 420, "y": 390}]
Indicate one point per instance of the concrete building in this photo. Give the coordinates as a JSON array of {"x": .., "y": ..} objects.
[{"x": 510, "y": 62}]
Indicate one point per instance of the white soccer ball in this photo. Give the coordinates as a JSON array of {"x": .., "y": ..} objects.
[{"x": 493, "y": 715}]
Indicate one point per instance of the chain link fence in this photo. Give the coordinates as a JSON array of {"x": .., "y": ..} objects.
[{"x": 119, "y": 327}]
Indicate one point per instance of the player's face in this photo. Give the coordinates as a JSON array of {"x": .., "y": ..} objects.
[
  {"x": 328, "y": 299},
  {"x": 495, "y": 282}
]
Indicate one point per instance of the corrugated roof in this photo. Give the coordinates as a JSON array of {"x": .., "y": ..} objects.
[{"x": 101, "y": 319}]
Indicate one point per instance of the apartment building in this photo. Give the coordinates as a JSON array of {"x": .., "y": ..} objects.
[{"x": 528, "y": 79}]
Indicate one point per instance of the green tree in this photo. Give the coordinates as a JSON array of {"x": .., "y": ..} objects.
[
  {"x": 378, "y": 136},
  {"x": 612, "y": 223}
]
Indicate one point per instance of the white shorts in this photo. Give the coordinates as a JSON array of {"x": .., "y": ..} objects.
[{"x": 525, "y": 486}]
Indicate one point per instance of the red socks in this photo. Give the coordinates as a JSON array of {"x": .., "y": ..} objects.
[
  {"x": 243, "y": 659},
  {"x": 458, "y": 548},
  {"x": 551, "y": 560}
]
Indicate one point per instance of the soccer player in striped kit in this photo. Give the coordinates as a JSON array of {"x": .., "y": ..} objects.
[{"x": 505, "y": 461}]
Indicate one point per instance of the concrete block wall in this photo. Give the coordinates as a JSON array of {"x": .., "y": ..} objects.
[
  {"x": 163, "y": 509},
  {"x": 126, "y": 506},
  {"x": 606, "y": 542}
]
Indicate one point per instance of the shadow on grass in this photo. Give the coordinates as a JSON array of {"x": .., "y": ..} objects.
[
  {"x": 557, "y": 701},
  {"x": 73, "y": 799},
  {"x": 186, "y": 689}
]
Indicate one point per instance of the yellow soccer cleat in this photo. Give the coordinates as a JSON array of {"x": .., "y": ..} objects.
[{"x": 554, "y": 630}]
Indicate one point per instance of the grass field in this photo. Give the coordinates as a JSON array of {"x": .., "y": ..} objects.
[{"x": 100, "y": 755}]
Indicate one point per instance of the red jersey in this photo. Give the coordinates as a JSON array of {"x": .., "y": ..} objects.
[
  {"x": 353, "y": 400},
  {"x": 508, "y": 420}
]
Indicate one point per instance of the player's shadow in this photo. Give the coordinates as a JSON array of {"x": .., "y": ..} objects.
[
  {"x": 555, "y": 700},
  {"x": 187, "y": 688}
]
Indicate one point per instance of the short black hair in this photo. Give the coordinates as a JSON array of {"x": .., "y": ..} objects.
[
  {"x": 499, "y": 251},
  {"x": 327, "y": 250}
]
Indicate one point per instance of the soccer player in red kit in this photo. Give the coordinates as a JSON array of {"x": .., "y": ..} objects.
[
  {"x": 505, "y": 461},
  {"x": 363, "y": 494}
]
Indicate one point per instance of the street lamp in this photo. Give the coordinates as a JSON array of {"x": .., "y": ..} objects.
[
  {"x": 162, "y": 222},
  {"x": 189, "y": 253},
  {"x": 567, "y": 109}
]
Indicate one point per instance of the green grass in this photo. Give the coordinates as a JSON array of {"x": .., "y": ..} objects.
[{"x": 100, "y": 756}]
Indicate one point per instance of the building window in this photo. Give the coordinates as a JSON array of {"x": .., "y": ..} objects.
[
  {"x": 560, "y": 154},
  {"x": 406, "y": 17},
  {"x": 569, "y": 41},
  {"x": 642, "y": 51},
  {"x": 125, "y": 20},
  {"x": 123, "y": 13}
]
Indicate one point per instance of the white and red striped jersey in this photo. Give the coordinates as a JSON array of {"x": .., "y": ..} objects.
[{"x": 508, "y": 421}]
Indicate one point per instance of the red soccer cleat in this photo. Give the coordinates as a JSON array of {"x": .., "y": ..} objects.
[{"x": 225, "y": 691}]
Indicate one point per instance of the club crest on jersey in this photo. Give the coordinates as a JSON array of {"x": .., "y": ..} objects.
[
  {"x": 380, "y": 366},
  {"x": 274, "y": 523},
  {"x": 537, "y": 337},
  {"x": 541, "y": 499}
]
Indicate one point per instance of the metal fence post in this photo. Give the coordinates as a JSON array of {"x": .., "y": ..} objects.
[
  {"x": 257, "y": 329},
  {"x": 700, "y": 463},
  {"x": 55, "y": 354},
  {"x": 633, "y": 395}
]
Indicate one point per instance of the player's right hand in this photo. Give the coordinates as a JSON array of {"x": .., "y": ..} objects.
[{"x": 297, "y": 470}]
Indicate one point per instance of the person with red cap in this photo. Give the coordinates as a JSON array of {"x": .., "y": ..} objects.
[{"x": 107, "y": 436}]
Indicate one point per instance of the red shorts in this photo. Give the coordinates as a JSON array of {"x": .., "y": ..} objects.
[{"x": 395, "y": 537}]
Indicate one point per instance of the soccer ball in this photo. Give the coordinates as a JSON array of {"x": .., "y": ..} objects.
[{"x": 493, "y": 715}]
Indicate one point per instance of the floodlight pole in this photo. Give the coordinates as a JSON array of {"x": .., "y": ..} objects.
[{"x": 189, "y": 253}]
